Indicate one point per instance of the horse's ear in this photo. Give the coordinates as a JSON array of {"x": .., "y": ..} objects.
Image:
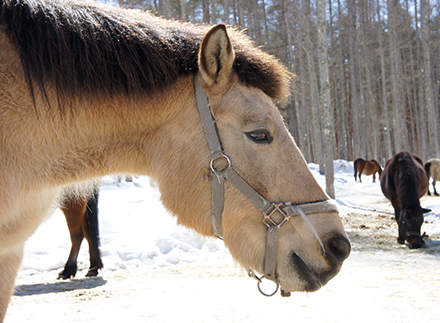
[
  {"x": 426, "y": 210},
  {"x": 216, "y": 58}
]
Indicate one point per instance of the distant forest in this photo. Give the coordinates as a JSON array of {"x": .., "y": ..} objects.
[{"x": 383, "y": 60}]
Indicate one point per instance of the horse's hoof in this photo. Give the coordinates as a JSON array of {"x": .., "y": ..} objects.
[
  {"x": 92, "y": 273},
  {"x": 64, "y": 276},
  {"x": 436, "y": 194},
  {"x": 400, "y": 241}
]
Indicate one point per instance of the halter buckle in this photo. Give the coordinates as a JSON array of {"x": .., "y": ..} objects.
[{"x": 277, "y": 207}]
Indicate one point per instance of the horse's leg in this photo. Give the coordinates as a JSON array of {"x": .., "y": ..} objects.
[
  {"x": 360, "y": 169},
  {"x": 73, "y": 209},
  {"x": 396, "y": 205},
  {"x": 9, "y": 265},
  {"x": 355, "y": 171},
  {"x": 401, "y": 237},
  {"x": 374, "y": 177},
  {"x": 428, "y": 174},
  {"x": 91, "y": 231},
  {"x": 433, "y": 185}
]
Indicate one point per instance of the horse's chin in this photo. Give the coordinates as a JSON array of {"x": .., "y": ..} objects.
[{"x": 299, "y": 277}]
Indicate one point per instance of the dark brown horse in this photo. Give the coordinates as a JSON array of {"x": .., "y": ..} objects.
[
  {"x": 370, "y": 167},
  {"x": 404, "y": 182},
  {"x": 82, "y": 220}
]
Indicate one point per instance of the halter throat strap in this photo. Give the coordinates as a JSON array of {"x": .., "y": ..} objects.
[{"x": 287, "y": 210}]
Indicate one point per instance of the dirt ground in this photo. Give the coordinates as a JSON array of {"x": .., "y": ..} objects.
[{"x": 381, "y": 281}]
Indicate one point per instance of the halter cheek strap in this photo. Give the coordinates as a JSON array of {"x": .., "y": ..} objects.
[{"x": 287, "y": 210}]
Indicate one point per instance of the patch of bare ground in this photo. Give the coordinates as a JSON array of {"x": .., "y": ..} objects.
[{"x": 377, "y": 231}]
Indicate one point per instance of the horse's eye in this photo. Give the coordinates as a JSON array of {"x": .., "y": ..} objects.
[{"x": 260, "y": 136}]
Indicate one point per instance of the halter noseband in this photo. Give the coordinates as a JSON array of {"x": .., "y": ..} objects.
[{"x": 287, "y": 210}]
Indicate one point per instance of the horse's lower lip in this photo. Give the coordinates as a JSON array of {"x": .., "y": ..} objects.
[{"x": 312, "y": 282}]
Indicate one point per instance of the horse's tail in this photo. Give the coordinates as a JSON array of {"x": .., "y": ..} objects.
[
  {"x": 428, "y": 169},
  {"x": 380, "y": 167},
  {"x": 91, "y": 218}
]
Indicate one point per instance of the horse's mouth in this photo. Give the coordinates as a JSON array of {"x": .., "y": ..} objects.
[
  {"x": 312, "y": 283},
  {"x": 416, "y": 243}
]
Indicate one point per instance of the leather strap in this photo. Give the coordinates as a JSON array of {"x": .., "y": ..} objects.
[{"x": 208, "y": 122}]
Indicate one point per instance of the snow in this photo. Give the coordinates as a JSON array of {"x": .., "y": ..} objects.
[
  {"x": 135, "y": 230},
  {"x": 157, "y": 271}
]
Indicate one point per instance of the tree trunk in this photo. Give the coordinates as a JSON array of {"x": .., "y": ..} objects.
[
  {"x": 433, "y": 143},
  {"x": 314, "y": 90},
  {"x": 327, "y": 124},
  {"x": 385, "y": 123},
  {"x": 183, "y": 13},
  {"x": 399, "y": 112},
  {"x": 305, "y": 133},
  {"x": 355, "y": 105}
]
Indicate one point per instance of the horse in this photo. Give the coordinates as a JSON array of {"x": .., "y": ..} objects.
[
  {"x": 432, "y": 169},
  {"x": 103, "y": 90},
  {"x": 370, "y": 167},
  {"x": 404, "y": 182},
  {"x": 81, "y": 213}
]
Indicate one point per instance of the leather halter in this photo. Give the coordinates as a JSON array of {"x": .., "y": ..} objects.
[{"x": 287, "y": 209}]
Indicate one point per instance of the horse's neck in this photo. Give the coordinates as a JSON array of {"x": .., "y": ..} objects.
[
  {"x": 122, "y": 138},
  {"x": 408, "y": 192},
  {"x": 93, "y": 138}
]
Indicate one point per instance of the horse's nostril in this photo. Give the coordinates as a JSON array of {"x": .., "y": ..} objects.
[{"x": 338, "y": 248}]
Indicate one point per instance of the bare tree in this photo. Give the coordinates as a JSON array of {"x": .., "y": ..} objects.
[
  {"x": 354, "y": 88},
  {"x": 429, "y": 94},
  {"x": 399, "y": 112},
  {"x": 384, "y": 121},
  {"x": 327, "y": 120},
  {"x": 314, "y": 118}
]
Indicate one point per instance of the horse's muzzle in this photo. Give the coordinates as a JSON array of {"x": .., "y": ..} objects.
[
  {"x": 415, "y": 242},
  {"x": 312, "y": 283},
  {"x": 337, "y": 249}
]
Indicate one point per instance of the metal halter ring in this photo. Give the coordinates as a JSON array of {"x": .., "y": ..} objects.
[
  {"x": 215, "y": 171},
  {"x": 260, "y": 281},
  {"x": 263, "y": 293}
]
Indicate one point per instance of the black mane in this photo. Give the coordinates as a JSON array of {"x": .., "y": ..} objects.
[
  {"x": 84, "y": 47},
  {"x": 407, "y": 188}
]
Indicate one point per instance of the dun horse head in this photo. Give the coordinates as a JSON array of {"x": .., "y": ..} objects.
[{"x": 261, "y": 150}]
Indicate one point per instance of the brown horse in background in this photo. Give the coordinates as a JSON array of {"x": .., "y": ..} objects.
[
  {"x": 432, "y": 169},
  {"x": 404, "y": 182},
  {"x": 362, "y": 166},
  {"x": 81, "y": 214}
]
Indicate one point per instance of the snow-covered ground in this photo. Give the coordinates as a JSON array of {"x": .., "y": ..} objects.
[{"x": 157, "y": 271}]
